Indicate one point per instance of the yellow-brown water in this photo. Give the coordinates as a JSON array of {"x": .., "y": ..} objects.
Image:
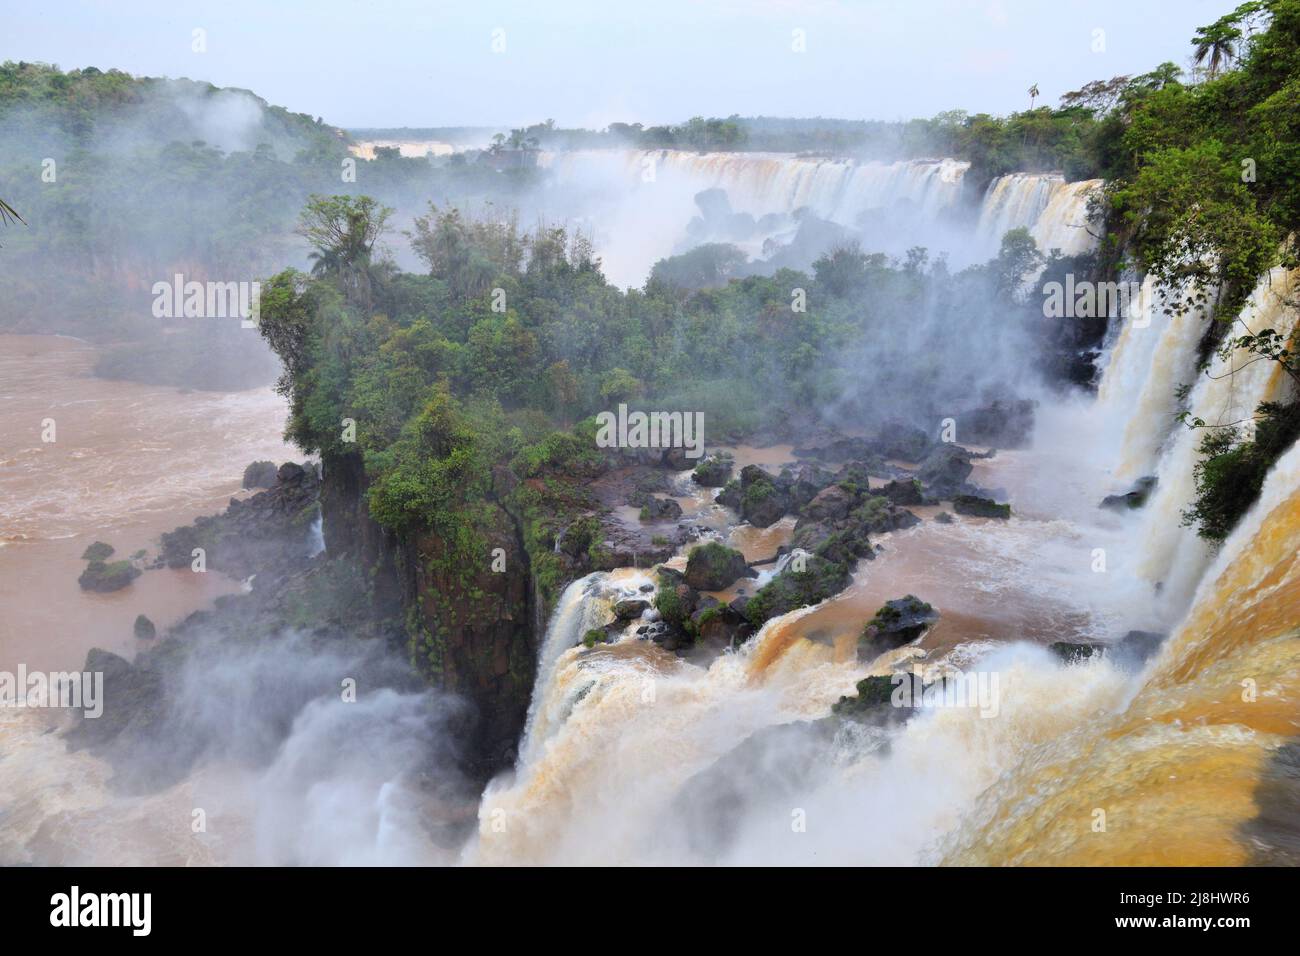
[{"x": 128, "y": 462}]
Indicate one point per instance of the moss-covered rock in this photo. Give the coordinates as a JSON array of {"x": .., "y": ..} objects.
[
  {"x": 791, "y": 589},
  {"x": 104, "y": 576},
  {"x": 99, "y": 551},
  {"x": 713, "y": 566},
  {"x": 979, "y": 507},
  {"x": 144, "y": 628},
  {"x": 713, "y": 472},
  {"x": 898, "y": 622}
]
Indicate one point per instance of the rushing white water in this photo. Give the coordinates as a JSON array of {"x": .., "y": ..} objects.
[
  {"x": 645, "y": 198},
  {"x": 764, "y": 183},
  {"x": 1055, "y": 212},
  {"x": 1228, "y": 393},
  {"x": 640, "y": 202},
  {"x": 1153, "y": 354}
]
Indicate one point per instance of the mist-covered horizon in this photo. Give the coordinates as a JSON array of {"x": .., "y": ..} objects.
[{"x": 588, "y": 64}]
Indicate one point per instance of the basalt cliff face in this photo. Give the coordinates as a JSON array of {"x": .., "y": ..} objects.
[{"x": 468, "y": 627}]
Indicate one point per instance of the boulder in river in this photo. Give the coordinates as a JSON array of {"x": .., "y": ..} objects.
[
  {"x": 898, "y": 622},
  {"x": 979, "y": 507},
  {"x": 714, "y": 471},
  {"x": 1132, "y": 499},
  {"x": 713, "y": 566},
  {"x": 105, "y": 576}
]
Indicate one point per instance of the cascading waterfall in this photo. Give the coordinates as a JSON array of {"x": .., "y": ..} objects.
[
  {"x": 1229, "y": 391},
  {"x": 1055, "y": 212},
  {"x": 763, "y": 183},
  {"x": 1153, "y": 353}
]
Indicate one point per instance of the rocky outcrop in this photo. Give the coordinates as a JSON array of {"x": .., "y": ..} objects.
[
  {"x": 980, "y": 507},
  {"x": 898, "y": 622},
  {"x": 268, "y": 534},
  {"x": 260, "y": 474},
  {"x": 713, "y": 566},
  {"x": 1130, "y": 652},
  {"x": 818, "y": 579},
  {"x": 944, "y": 471},
  {"x": 106, "y": 576},
  {"x": 714, "y": 471},
  {"x": 1002, "y": 423},
  {"x": 1132, "y": 499}
]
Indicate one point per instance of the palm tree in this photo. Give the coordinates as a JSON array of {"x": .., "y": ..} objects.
[
  {"x": 9, "y": 214},
  {"x": 1033, "y": 95},
  {"x": 1216, "y": 46}
]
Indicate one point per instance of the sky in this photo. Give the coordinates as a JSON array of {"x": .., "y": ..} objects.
[{"x": 381, "y": 63}]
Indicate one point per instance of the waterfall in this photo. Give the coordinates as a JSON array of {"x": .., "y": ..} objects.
[
  {"x": 1153, "y": 353},
  {"x": 316, "y": 537},
  {"x": 585, "y": 604},
  {"x": 765, "y": 183},
  {"x": 1055, "y": 212},
  {"x": 1182, "y": 765},
  {"x": 1228, "y": 392}
]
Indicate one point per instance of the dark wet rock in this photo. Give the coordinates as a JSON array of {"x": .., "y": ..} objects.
[
  {"x": 132, "y": 697},
  {"x": 267, "y": 534},
  {"x": 820, "y": 579},
  {"x": 902, "y": 492},
  {"x": 1005, "y": 423},
  {"x": 730, "y": 495},
  {"x": 723, "y": 624},
  {"x": 106, "y": 576},
  {"x": 804, "y": 482},
  {"x": 838, "y": 449},
  {"x": 630, "y": 609},
  {"x": 764, "y": 499},
  {"x": 944, "y": 471},
  {"x": 660, "y": 509},
  {"x": 943, "y": 518},
  {"x": 903, "y": 442},
  {"x": 679, "y": 459},
  {"x": 879, "y": 515},
  {"x": 873, "y": 697},
  {"x": 260, "y": 474},
  {"x": 831, "y": 504},
  {"x": 713, "y": 566},
  {"x": 714, "y": 471},
  {"x": 144, "y": 628},
  {"x": 1130, "y": 652},
  {"x": 1132, "y": 499},
  {"x": 980, "y": 507},
  {"x": 899, "y": 622}
]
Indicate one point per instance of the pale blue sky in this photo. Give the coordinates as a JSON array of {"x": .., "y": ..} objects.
[{"x": 588, "y": 62}]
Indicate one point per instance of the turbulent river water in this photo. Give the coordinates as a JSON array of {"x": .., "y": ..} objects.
[{"x": 127, "y": 463}]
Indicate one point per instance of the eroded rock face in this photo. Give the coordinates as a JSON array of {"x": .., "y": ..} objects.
[{"x": 260, "y": 474}]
